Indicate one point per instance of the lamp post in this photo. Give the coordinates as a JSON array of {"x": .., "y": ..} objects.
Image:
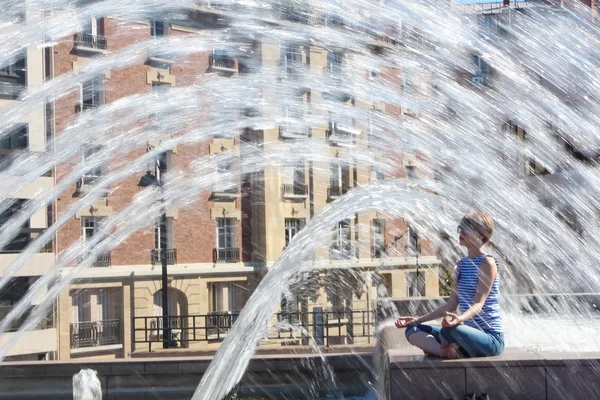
[{"x": 150, "y": 180}]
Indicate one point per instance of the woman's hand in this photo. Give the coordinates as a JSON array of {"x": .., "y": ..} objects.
[
  {"x": 451, "y": 320},
  {"x": 403, "y": 322}
]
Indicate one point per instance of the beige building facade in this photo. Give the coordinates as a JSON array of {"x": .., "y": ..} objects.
[{"x": 219, "y": 248}]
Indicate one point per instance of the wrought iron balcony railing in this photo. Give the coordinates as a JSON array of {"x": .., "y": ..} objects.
[
  {"x": 222, "y": 62},
  {"x": 226, "y": 255},
  {"x": 94, "y": 334},
  {"x": 335, "y": 191},
  {"x": 90, "y": 41},
  {"x": 170, "y": 253},
  {"x": 290, "y": 190}
]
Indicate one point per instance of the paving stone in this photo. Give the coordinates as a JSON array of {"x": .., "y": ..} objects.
[{"x": 510, "y": 383}]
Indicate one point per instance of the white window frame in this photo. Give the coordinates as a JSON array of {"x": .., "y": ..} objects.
[
  {"x": 292, "y": 226},
  {"x": 153, "y": 28},
  {"x": 94, "y": 226},
  {"x": 228, "y": 227}
]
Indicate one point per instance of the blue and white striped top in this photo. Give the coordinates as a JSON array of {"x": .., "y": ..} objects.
[{"x": 489, "y": 318}]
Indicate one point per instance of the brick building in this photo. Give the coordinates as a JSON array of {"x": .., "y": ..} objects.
[{"x": 219, "y": 246}]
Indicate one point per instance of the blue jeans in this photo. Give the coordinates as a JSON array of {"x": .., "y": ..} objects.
[{"x": 473, "y": 342}]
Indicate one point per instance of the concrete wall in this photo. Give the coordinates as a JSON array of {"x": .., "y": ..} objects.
[{"x": 178, "y": 378}]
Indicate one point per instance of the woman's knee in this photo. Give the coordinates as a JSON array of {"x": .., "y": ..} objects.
[
  {"x": 449, "y": 334},
  {"x": 410, "y": 330}
]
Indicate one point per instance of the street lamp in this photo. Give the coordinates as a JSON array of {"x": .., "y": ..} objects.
[{"x": 150, "y": 180}]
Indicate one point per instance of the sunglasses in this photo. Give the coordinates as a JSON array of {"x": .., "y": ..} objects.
[{"x": 464, "y": 229}]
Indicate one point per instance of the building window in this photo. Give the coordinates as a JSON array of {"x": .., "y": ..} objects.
[
  {"x": 341, "y": 248},
  {"x": 22, "y": 239},
  {"x": 13, "y": 78},
  {"x": 292, "y": 227},
  {"x": 96, "y": 172},
  {"x": 413, "y": 246},
  {"x": 376, "y": 174},
  {"x": 489, "y": 24},
  {"x": 93, "y": 27},
  {"x": 161, "y": 166},
  {"x": 226, "y": 233},
  {"x": 92, "y": 93},
  {"x": 157, "y": 28},
  {"x": 16, "y": 139},
  {"x": 162, "y": 91},
  {"x": 160, "y": 230},
  {"x": 482, "y": 70},
  {"x": 339, "y": 177},
  {"x": 227, "y": 297},
  {"x": 378, "y": 238},
  {"x": 415, "y": 284},
  {"x": 334, "y": 62},
  {"x": 89, "y": 227}
]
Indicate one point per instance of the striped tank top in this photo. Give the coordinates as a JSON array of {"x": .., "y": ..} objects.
[{"x": 489, "y": 318}]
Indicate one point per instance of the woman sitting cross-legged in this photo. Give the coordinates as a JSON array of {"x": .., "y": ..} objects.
[{"x": 477, "y": 331}]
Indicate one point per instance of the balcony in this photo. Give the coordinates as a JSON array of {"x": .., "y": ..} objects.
[
  {"x": 95, "y": 334},
  {"x": 226, "y": 255},
  {"x": 377, "y": 251},
  {"x": 159, "y": 60},
  {"x": 293, "y": 131},
  {"x": 38, "y": 341},
  {"x": 171, "y": 256},
  {"x": 103, "y": 260},
  {"x": 341, "y": 133},
  {"x": 289, "y": 68},
  {"x": 22, "y": 240},
  {"x": 86, "y": 183},
  {"x": 90, "y": 43},
  {"x": 10, "y": 90},
  {"x": 335, "y": 191},
  {"x": 226, "y": 193},
  {"x": 480, "y": 79},
  {"x": 345, "y": 252},
  {"x": 294, "y": 190},
  {"x": 222, "y": 62},
  {"x": 86, "y": 107},
  {"x": 37, "y": 265}
]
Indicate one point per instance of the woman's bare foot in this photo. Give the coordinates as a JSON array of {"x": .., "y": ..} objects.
[{"x": 450, "y": 351}]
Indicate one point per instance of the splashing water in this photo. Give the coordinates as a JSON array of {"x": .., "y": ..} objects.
[
  {"x": 496, "y": 112},
  {"x": 86, "y": 385}
]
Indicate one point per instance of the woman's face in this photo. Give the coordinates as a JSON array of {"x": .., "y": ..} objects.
[{"x": 467, "y": 236}]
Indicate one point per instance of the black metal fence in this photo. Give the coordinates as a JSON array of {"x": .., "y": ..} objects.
[
  {"x": 226, "y": 255},
  {"x": 93, "y": 334},
  {"x": 91, "y": 41},
  {"x": 327, "y": 328},
  {"x": 171, "y": 256}
]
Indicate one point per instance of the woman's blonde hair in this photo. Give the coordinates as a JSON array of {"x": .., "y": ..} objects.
[{"x": 481, "y": 222}]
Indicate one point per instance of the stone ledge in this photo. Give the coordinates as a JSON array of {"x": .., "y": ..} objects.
[{"x": 516, "y": 374}]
